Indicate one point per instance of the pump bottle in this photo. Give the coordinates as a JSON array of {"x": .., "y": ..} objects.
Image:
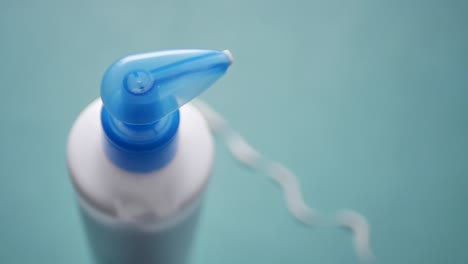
[{"x": 140, "y": 157}]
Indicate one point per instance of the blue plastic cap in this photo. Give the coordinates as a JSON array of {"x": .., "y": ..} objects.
[
  {"x": 141, "y": 96},
  {"x": 143, "y": 88}
]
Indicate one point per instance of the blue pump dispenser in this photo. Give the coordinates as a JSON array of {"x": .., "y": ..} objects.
[{"x": 141, "y": 96}]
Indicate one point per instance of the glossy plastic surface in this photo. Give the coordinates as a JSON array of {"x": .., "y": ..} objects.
[
  {"x": 142, "y": 94},
  {"x": 144, "y": 88}
]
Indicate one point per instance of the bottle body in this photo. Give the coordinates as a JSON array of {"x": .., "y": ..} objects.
[
  {"x": 134, "y": 217},
  {"x": 123, "y": 243}
]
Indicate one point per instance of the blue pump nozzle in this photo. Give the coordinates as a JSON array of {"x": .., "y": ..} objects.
[
  {"x": 141, "y": 95},
  {"x": 143, "y": 88}
]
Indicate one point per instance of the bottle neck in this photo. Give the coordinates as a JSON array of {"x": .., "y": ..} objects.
[{"x": 140, "y": 148}]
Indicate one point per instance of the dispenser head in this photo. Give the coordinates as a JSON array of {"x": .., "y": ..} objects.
[{"x": 143, "y": 88}]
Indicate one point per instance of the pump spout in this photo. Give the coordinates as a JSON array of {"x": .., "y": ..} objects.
[
  {"x": 142, "y": 89},
  {"x": 141, "y": 95}
]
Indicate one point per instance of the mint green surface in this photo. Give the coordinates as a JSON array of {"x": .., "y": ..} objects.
[{"x": 367, "y": 101}]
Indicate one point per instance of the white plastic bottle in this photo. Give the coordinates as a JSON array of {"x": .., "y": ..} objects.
[{"x": 140, "y": 164}]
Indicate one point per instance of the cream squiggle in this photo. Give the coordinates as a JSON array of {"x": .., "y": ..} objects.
[
  {"x": 251, "y": 158},
  {"x": 358, "y": 224}
]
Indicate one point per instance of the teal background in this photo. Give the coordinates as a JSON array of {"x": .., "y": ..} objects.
[{"x": 365, "y": 100}]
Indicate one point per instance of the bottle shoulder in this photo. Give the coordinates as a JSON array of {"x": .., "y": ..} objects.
[{"x": 161, "y": 192}]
